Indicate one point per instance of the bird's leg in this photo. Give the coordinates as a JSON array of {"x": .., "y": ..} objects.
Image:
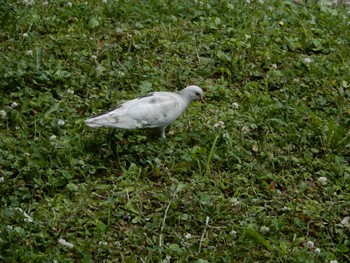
[{"x": 162, "y": 132}]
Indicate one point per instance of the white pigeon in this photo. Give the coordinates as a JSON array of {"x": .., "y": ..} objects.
[{"x": 154, "y": 110}]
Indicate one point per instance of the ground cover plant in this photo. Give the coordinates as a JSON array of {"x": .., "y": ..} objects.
[{"x": 257, "y": 173}]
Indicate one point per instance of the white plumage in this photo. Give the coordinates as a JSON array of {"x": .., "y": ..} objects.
[{"x": 154, "y": 110}]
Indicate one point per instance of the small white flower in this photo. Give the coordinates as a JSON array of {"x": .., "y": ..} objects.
[
  {"x": 69, "y": 4},
  {"x": 245, "y": 129},
  {"x": 333, "y": 261},
  {"x": 322, "y": 180},
  {"x": 93, "y": 57},
  {"x": 219, "y": 124},
  {"x": 235, "y": 105},
  {"x": 29, "y": 53},
  {"x": 230, "y": 6},
  {"x": 281, "y": 23},
  {"x": 102, "y": 243},
  {"x": 345, "y": 221},
  {"x": 53, "y": 137},
  {"x": 226, "y": 135},
  {"x": 27, "y": 218},
  {"x": 233, "y": 233},
  {"x": 3, "y": 114},
  {"x": 274, "y": 66},
  {"x": 188, "y": 236},
  {"x": 310, "y": 244},
  {"x": 64, "y": 243},
  {"x": 264, "y": 229},
  {"x": 285, "y": 209},
  {"x": 25, "y": 35},
  {"x": 14, "y": 105},
  {"x": 2, "y": 179},
  {"x": 317, "y": 250},
  {"x": 61, "y": 122},
  {"x": 307, "y": 60},
  {"x": 71, "y": 92},
  {"x": 28, "y": 2},
  {"x": 121, "y": 74},
  {"x": 234, "y": 201}
]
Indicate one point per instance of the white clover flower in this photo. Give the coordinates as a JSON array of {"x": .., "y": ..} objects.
[
  {"x": 233, "y": 232},
  {"x": 25, "y": 35},
  {"x": 322, "y": 180},
  {"x": 333, "y": 261},
  {"x": 64, "y": 243},
  {"x": 285, "y": 209},
  {"x": 120, "y": 74},
  {"x": 188, "y": 236},
  {"x": 69, "y": 4},
  {"x": 29, "y": 53},
  {"x": 345, "y": 221},
  {"x": 3, "y": 114},
  {"x": 93, "y": 57},
  {"x": 61, "y": 122},
  {"x": 234, "y": 201},
  {"x": 14, "y": 105},
  {"x": 219, "y": 124},
  {"x": 310, "y": 244},
  {"x": 53, "y": 137},
  {"x": 274, "y": 66},
  {"x": 230, "y": 6},
  {"x": 28, "y": 2},
  {"x": 27, "y": 218},
  {"x": 71, "y": 92},
  {"x": 235, "y": 105},
  {"x": 317, "y": 250},
  {"x": 264, "y": 229},
  {"x": 2, "y": 179},
  {"x": 307, "y": 60},
  {"x": 245, "y": 129}
]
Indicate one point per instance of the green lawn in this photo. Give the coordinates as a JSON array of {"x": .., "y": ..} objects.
[{"x": 258, "y": 173}]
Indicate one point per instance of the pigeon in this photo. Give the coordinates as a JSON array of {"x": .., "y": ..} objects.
[{"x": 155, "y": 110}]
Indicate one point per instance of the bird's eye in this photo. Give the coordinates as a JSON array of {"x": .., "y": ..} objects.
[{"x": 197, "y": 93}]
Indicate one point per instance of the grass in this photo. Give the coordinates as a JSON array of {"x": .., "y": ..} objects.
[{"x": 259, "y": 173}]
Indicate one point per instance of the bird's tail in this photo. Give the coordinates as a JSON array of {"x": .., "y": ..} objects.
[{"x": 93, "y": 122}]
